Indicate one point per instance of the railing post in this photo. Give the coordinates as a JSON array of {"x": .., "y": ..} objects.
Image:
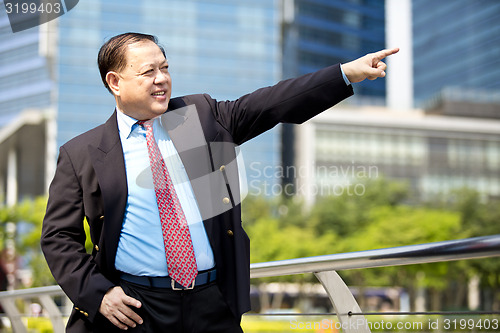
[
  {"x": 14, "y": 315},
  {"x": 54, "y": 314},
  {"x": 343, "y": 302}
]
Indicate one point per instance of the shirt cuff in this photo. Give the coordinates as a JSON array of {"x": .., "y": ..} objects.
[{"x": 346, "y": 80}]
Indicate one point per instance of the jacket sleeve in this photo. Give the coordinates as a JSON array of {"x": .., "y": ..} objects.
[
  {"x": 289, "y": 101},
  {"x": 63, "y": 241}
]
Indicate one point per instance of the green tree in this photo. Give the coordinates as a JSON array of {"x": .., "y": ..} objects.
[
  {"x": 380, "y": 218},
  {"x": 28, "y": 217},
  {"x": 346, "y": 214}
]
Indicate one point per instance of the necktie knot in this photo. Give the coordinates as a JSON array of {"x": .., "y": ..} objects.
[{"x": 145, "y": 123}]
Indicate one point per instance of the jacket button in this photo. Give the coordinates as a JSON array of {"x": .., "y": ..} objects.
[
  {"x": 96, "y": 247},
  {"x": 85, "y": 314},
  {"x": 230, "y": 233},
  {"x": 101, "y": 217},
  {"x": 222, "y": 168},
  {"x": 225, "y": 200}
]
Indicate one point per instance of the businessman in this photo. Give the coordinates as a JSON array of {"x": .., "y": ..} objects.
[{"x": 156, "y": 185}]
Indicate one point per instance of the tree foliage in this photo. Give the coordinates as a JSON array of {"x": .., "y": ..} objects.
[
  {"x": 28, "y": 216},
  {"x": 380, "y": 218}
]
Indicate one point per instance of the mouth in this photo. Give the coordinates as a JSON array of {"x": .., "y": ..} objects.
[{"x": 160, "y": 96}]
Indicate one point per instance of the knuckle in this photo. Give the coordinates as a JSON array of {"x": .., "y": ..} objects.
[
  {"x": 123, "y": 319},
  {"x": 118, "y": 324}
]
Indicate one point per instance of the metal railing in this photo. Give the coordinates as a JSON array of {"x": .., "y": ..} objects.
[
  {"x": 470, "y": 248},
  {"x": 324, "y": 267},
  {"x": 45, "y": 295}
]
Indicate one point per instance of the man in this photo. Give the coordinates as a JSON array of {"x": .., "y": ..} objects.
[{"x": 112, "y": 177}]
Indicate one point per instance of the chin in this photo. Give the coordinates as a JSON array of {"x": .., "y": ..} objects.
[{"x": 160, "y": 109}]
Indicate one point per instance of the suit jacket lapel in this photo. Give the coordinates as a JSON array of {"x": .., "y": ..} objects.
[
  {"x": 185, "y": 129},
  {"x": 109, "y": 166}
]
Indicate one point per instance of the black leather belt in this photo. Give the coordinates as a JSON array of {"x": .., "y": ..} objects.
[{"x": 166, "y": 282}]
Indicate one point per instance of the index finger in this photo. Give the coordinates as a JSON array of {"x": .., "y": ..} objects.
[
  {"x": 385, "y": 53},
  {"x": 129, "y": 313},
  {"x": 131, "y": 317}
]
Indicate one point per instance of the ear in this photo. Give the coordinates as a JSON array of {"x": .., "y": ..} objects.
[{"x": 112, "y": 80}]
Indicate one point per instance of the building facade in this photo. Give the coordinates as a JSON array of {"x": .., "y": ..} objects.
[
  {"x": 453, "y": 142},
  {"x": 434, "y": 154},
  {"x": 26, "y": 78},
  {"x": 456, "y": 43},
  {"x": 320, "y": 33},
  {"x": 220, "y": 47}
]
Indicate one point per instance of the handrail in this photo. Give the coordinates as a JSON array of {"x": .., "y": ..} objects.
[
  {"x": 470, "y": 248},
  {"x": 33, "y": 292}
]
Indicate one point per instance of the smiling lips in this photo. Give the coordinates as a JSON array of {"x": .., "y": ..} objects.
[{"x": 160, "y": 96}]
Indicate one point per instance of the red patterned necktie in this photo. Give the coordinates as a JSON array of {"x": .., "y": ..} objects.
[{"x": 181, "y": 261}]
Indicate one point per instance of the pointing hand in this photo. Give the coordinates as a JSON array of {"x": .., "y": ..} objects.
[{"x": 369, "y": 66}]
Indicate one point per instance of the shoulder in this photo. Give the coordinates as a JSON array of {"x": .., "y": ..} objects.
[
  {"x": 201, "y": 100},
  {"x": 91, "y": 137},
  {"x": 106, "y": 133},
  {"x": 205, "y": 105}
]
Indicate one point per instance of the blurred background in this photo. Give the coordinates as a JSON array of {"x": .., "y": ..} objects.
[{"x": 409, "y": 159}]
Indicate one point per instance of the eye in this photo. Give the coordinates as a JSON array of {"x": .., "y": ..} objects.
[{"x": 148, "y": 72}]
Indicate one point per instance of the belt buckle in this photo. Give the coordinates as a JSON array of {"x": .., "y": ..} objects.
[{"x": 172, "y": 284}]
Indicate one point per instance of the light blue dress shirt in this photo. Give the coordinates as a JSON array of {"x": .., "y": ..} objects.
[
  {"x": 140, "y": 248},
  {"x": 346, "y": 80}
]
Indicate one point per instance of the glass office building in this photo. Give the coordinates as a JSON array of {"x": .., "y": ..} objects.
[
  {"x": 25, "y": 78},
  {"x": 456, "y": 43},
  {"x": 319, "y": 33},
  {"x": 221, "y": 47}
]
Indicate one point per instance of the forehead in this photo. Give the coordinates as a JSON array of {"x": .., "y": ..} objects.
[{"x": 142, "y": 54}]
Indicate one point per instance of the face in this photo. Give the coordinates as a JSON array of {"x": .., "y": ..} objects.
[{"x": 143, "y": 88}]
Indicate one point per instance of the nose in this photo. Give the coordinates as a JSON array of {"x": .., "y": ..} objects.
[{"x": 161, "y": 77}]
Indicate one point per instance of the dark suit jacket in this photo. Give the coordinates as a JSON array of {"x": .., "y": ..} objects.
[{"x": 90, "y": 184}]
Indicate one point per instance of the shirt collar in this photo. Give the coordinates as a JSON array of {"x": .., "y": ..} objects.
[{"x": 126, "y": 124}]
